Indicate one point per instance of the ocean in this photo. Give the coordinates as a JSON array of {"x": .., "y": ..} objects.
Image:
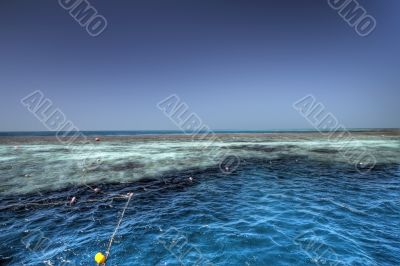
[{"x": 229, "y": 198}]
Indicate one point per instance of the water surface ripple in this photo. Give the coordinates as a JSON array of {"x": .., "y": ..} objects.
[{"x": 280, "y": 209}]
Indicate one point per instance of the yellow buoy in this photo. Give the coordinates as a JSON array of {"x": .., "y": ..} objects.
[{"x": 100, "y": 258}]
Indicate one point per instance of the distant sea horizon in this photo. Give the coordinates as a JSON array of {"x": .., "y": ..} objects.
[{"x": 177, "y": 132}]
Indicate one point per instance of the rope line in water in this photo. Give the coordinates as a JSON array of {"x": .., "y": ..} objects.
[
  {"x": 118, "y": 224},
  {"x": 27, "y": 204},
  {"x": 110, "y": 195}
]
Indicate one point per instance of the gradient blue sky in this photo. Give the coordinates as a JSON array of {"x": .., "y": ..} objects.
[{"x": 237, "y": 64}]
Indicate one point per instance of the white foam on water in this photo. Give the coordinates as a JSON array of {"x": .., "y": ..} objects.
[{"x": 51, "y": 165}]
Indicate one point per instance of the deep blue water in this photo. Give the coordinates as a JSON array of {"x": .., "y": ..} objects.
[
  {"x": 289, "y": 211},
  {"x": 295, "y": 199},
  {"x": 158, "y": 132}
]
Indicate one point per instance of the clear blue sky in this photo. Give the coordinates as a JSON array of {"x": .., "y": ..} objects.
[{"x": 237, "y": 64}]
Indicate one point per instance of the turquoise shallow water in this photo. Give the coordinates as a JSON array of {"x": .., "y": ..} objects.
[{"x": 284, "y": 205}]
